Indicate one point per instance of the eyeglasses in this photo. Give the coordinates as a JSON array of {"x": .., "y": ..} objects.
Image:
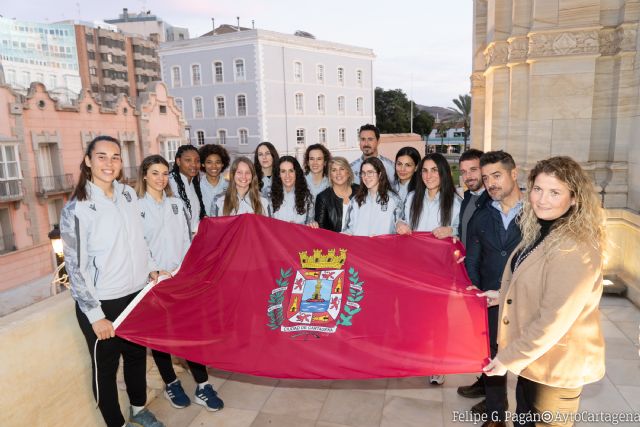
[{"x": 368, "y": 173}]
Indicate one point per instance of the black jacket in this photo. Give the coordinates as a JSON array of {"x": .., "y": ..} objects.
[
  {"x": 329, "y": 209},
  {"x": 489, "y": 247},
  {"x": 480, "y": 202}
]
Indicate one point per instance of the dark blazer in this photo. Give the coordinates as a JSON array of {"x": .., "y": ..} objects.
[
  {"x": 480, "y": 202},
  {"x": 489, "y": 247},
  {"x": 329, "y": 209}
]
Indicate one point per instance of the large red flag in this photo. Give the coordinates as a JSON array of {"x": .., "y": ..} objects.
[{"x": 265, "y": 297}]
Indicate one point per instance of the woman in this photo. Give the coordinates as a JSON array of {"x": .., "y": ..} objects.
[
  {"x": 375, "y": 208},
  {"x": 316, "y": 162},
  {"x": 550, "y": 333},
  {"x": 108, "y": 262},
  {"x": 332, "y": 203},
  {"x": 214, "y": 160},
  {"x": 242, "y": 195},
  {"x": 406, "y": 175},
  {"x": 266, "y": 161},
  {"x": 185, "y": 183},
  {"x": 167, "y": 233},
  {"x": 290, "y": 197},
  {"x": 434, "y": 206}
]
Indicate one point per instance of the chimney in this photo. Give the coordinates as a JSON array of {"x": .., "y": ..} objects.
[
  {"x": 238, "y": 19},
  {"x": 125, "y": 13}
]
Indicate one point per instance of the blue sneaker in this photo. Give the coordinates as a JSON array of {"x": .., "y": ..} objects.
[
  {"x": 144, "y": 418},
  {"x": 176, "y": 395},
  {"x": 207, "y": 397}
]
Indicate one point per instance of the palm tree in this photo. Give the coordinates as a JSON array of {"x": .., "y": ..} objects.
[
  {"x": 462, "y": 113},
  {"x": 441, "y": 128}
]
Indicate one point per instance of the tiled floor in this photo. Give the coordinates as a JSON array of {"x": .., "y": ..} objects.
[{"x": 253, "y": 401}]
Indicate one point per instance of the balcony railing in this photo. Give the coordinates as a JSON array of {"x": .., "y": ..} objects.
[
  {"x": 11, "y": 190},
  {"x": 7, "y": 243},
  {"x": 46, "y": 185},
  {"x": 129, "y": 174}
]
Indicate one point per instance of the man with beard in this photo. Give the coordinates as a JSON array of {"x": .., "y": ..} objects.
[
  {"x": 475, "y": 196},
  {"x": 492, "y": 235},
  {"x": 369, "y": 140}
]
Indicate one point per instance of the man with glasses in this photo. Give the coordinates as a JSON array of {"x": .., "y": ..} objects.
[{"x": 369, "y": 141}]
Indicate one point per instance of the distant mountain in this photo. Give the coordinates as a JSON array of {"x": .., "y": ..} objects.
[{"x": 440, "y": 113}]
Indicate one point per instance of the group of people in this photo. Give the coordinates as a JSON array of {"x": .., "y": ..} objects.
[{"x": 535, "y": 257}]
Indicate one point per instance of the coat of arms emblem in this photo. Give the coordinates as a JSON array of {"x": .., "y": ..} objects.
[{"x": 319, "y": 297}]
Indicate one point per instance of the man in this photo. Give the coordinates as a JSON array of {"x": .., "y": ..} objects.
[
  {"x": 492, "y": 235},
  {"x": 369, "y": 140},
  {"x": 475, "y": 196}
]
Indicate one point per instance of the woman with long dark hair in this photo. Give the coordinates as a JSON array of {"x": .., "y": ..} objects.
[
  {"x": 332, "y": 204},
  {"x": 167, "y": 232},
  {"x": 184, "y": 180},
  {"x": 265, "y": 160},
  {"x": 215, "y": 160},
  {"x": 291, "y": 199},
  {"x": 434, "y": 206},
  {"x": 406, "y": 175},
  {"x": 316, "y": 166},
  {"x": 375, "y": 208},
  {"x": 550, "y": 333},
  {"x": 108, "y": 262},
  {"x": 243, "y": 194}
]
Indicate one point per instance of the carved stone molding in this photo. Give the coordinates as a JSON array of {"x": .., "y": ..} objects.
[
  {"x": 628, "y": 37},
  {"x": 497, "y": 53},
  {"x": 477, "y": 80},
  {"x": 609, "y": 39},
  {"x": 518, "y": 47},
  {"x": 565, "y": 43}
]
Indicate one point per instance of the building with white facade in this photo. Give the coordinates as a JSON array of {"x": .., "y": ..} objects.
[
  {"x": 148, "y": 25},
  {"x": 244, "y": 87},
  {"x": 45, "y": 53}
]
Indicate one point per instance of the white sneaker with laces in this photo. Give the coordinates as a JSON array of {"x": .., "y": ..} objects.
[{"x": 436, "y": 379}]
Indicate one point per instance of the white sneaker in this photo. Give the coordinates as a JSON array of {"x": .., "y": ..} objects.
[{"x": 436, "y": 379}]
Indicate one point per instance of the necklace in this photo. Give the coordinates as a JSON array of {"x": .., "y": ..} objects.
[{"x": 523, "y": 255}]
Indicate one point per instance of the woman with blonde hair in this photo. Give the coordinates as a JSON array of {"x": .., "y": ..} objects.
[
  {"x": 332, "y": 203},
  {"x": 243, "y": 193},
  {"x": 550, "y": 333}
]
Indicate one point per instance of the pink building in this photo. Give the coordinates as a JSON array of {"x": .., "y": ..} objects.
[{"x": 41, "y": 147}]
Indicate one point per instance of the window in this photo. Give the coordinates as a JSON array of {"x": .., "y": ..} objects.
[
  {"x": 297, "y": 71},
  {"x": 340, "y": 76},
  {"x": 175, "y": 77},
  {"x": 11, "y": 76},
  {"x": 240, "y": 69},
  {"x": 163, "y": 109},
  {"x": 9, "y": 167},
  {"x": 321, "y": 108},
  {"x": 243, "y": 136},
  {"x": 200, "y": 137},
  {"x": 220, "y": 111},
  {"x": 197, "y": 108},
  {"x": 342, "y": 136},
  {"x": 222, "y": 137},
  {"x": 341, "y": 105},
  {"x": 242, "y": 105},
  {"x": 26, "y": 78},
  {"x": 93, "y": 71},
  {"x": 322, "y": 135},
  {"x": 359, "y": 77},
  {"x": 53, "y": 81},
  {"x": 320, "y": 73},
  {"x": 360, "y": 105},
  {"x": 195, "y": 75},
  {"x": 179, "y": 103},
  {"x": 300, "y": 136},
  {"x": 299, "y": 103},
  {"x": 170, "y": 149},
  {"x": 217, "y": 72}
]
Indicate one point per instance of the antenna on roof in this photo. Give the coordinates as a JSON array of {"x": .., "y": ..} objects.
[
  {"x": 238, "y": 19},
  {"x": 253, "y": 24},
  {"x": 213, "y": 27}
]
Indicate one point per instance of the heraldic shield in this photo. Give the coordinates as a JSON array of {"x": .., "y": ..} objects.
[{"x": 316, "y": 294}]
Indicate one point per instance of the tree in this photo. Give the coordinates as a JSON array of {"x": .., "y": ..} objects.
[
  {"x": 393, "y": 111},
  {"x": 442, "y": 128},
  {"x": 462, "y": 113}
]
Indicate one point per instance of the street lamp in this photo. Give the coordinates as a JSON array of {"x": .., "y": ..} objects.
[{"x": 60, "y": 276}]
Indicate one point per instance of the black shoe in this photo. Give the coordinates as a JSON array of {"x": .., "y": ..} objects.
[
  {"x": 474, "y": 390},
  {"x": 480, "y": 407}
]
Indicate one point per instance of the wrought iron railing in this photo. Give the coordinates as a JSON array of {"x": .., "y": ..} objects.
[
  {"x": 54, "y": 184},
  {"x": 11, "y": 190}
]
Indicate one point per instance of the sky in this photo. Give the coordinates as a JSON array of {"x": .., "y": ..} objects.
[{"x": 422, "y": 46}]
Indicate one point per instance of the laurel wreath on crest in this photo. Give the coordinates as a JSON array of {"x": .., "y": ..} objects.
[
  {"x": 356, "y": 294},
  {"x": 274, "y": 310}
]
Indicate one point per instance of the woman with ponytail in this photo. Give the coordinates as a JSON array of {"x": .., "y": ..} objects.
[
  {"x": 108, "y": 262},
  {"x": 243, "y": 194},
  {"x": 184, "y": 180},
  {"x": 167, "y": 232}
]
